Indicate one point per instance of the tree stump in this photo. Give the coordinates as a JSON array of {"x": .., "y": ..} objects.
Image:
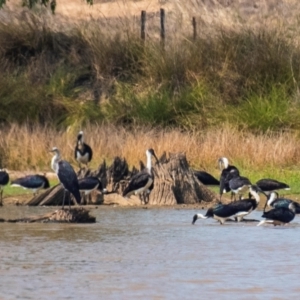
[
  {"x": 74, "y": 215},
  {"x": 175, "y": 183}
]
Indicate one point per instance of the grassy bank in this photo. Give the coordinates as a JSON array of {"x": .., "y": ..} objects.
[{"x": 244, "y": 74}]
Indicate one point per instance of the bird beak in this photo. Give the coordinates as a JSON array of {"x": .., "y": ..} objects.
[{"x": 194, "y": 219}]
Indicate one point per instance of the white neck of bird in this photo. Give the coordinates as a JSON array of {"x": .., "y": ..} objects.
[
  {"x": 225, "y": 162},
  {"x": 149, "y": 163},
  {"x": 255, "y": 195},
  {"x": 271, "y": 198},
  {"x": 55, "y": 160},
  {"x": 201, "y": 216}
]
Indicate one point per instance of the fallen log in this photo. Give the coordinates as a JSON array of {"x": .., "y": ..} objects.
[{"x": 73, "y": 215}]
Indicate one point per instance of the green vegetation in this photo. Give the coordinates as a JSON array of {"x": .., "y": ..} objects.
[{"x": 247, "y": 77}]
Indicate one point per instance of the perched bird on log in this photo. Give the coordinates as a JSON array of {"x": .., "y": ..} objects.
[
  {"x": 206, "y": 178},
  {"x": 66, "y": 176},
  {"x": 279, "y": 215},
  {"x": 273, "y": 201},
  {"x": 89, "y": 184},
  {"x": 142, "y": 181},
  {"x": 268, "y": 185},
  {"x": 32, "y": 182},
  {"x": 4, "y": 179},
  {"x": 83, "y": 152},
  {"x": 227, "y": 173}
]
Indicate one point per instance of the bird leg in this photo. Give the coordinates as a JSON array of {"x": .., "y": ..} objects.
[
  {"x": 63, "y": 203},
  {"x": 1, "y": 194},
  {"x": 70, "y": 201}
]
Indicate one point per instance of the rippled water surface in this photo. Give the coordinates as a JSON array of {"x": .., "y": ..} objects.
[{"x": 147, "y": 254}]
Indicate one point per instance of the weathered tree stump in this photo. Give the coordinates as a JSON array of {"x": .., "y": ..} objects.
[
  {"x": 74, "y": 215},
  {"x": 175, "y": 183}
]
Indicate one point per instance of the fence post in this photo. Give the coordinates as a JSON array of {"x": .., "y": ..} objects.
[
  {"x": 194, "y": 23},
  {"x": 162, "y": 27},
  {"x": 143, "y": 25}
]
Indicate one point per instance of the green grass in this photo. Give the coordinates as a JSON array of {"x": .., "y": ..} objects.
[{"x": 10, "y": 191}]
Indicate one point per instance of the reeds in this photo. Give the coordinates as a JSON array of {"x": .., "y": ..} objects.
[{"x": 27, "y": 147}]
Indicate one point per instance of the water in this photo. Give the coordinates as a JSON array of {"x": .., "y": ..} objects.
[{"x": 147, "y": 254}]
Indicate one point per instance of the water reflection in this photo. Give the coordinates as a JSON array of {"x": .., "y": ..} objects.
[{"x": 149, "y": 254}]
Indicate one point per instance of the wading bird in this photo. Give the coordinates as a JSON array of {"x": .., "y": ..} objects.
[
  {"x": 246, "y": 206},
  {"x": 32, "y": 182},
  {"x": 221, "y": 212},
  {"x": 143, "y": 180},
  {"x": 279, "y": 215},
  {"x": 83, "y": 152},
  {"x": 4, "y": 179},
  {"x": 66, "y": 176},
  {"x": 273, "y": 201}
]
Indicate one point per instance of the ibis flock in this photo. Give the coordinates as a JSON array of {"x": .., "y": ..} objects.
[{"x": 281, "y": 210}]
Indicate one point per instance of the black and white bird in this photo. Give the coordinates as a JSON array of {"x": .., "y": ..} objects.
[
  {"x": 66, "y": 176},
  {"x": 83, "y": 152},
  {"x": 268, "y": 185},
  {"x": 89, "y": 184},
  {"x": 246, "y": 206},
  {"x": 279, "y": 215},
  {"x": 32, "y": 182},
  {"x": 221, "y": 212},
  {"x": 238, "y": 185},
  {"x": 4, "y": 179},
  {"x": 227, "y": 172},
  {"x": 206, "y": 178},
  {"x": 143, "y": 180},
  {"x": 273, "y": 201}
]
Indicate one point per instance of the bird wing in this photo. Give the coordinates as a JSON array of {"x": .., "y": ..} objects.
[
  {"x": 281, "y": 214},
  {"x": 68, "y": 179},
  {"x": 243, "y": 205},
  {"x": 206, "y": 178},
  {"x": 30, "y": 181},
  {"x": 88, "y": 183},
  {"x": 268, "y": 184},
  {"x": 4, "y": 177},
  {"x": 138, "y": 181}
]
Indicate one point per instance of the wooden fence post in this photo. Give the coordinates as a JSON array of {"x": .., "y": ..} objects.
[
  {"x": 143, "y": 25},
  {"x": 194, "y": 23},
  {"x": 162, "y": 27}
]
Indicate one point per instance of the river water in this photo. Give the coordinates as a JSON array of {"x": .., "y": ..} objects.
[{"x": 147, "y": 254}]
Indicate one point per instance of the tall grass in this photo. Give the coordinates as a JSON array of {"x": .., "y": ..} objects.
[
  {"x": 27, "y": 147},
  {"x": 246, "y": 76}
]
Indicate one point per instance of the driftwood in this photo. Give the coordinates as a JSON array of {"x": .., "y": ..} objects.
[
  {"x": 174, "y": 183},
  {"x": 74, "y": 215}
]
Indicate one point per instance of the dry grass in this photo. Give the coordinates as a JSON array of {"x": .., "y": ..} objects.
[{"x": 27, "y": 148}]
